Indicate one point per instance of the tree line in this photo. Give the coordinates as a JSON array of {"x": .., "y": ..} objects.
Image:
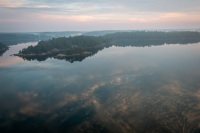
[
  {"x": 80, "y": 44},
  {"x": 3, "y": 48}
]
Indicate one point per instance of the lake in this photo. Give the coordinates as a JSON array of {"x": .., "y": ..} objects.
[{"x": 120, "y": 89}]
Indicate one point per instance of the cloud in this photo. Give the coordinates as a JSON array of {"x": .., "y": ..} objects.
[
  {"x": 27, "y": 96},
  {"x": 116, "y": 81},
  {"x": 131, "y": 5},
  {"x": 31, "y": 109},
  {"x": 11, "y": 4},
  {"x": 120, "y": 14},
  {"x": 91, "y": 90},
  {"x": 126, "y": 6}
]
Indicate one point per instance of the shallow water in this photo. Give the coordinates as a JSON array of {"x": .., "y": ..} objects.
[{"x": 119, "y": 89}]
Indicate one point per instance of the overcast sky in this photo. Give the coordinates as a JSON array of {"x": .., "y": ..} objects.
[{"x": 80, "y": 15}]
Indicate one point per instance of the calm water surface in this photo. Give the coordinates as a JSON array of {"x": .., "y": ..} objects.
[{"x": 120, "y": 89}]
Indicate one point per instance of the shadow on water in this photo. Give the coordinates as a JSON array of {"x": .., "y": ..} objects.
[{"x": 70, "y": 58}]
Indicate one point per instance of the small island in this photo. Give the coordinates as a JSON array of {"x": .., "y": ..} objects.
[
  {"x": 72, "y": 49},
  {"x": 78, "y": 48},
  {"x": 3, "y": 48}
]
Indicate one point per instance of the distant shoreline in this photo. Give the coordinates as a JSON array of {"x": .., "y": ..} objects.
[{"x": 83, "y": 46}]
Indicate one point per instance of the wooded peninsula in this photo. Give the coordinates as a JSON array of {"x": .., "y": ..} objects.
[
  {"x": 3, "y": 48},
  {"x": 77, "y": 48}
]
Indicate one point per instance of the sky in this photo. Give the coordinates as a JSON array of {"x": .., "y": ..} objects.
[{"x": 88, "y": 15}]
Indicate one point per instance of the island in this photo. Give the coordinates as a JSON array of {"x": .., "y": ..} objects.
[
  {"x": 72, "y": 49},
  {"x": 77, "y": 48},
  {"x": 3, "y": 48}
]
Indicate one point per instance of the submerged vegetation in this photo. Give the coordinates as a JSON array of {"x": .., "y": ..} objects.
[{"x": 79, "y": 47}]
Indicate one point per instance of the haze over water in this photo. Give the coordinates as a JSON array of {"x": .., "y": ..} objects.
[
  {"x": 83, "y": 77},
  {"x": 119, "y": 89}
]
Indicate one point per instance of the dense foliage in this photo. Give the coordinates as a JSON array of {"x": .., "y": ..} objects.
[
  {"x": 148, "y": 38},
  {"x": 3, "y": 48},
  {"x": 136, "y": 38},
  {"x": 64, "y": 43},
  {"x": 153, "y": 35},
  {"x": 69, "y": 44},
  {"x": 79, "y": 47},
  {"x": 72, "y": 49}
]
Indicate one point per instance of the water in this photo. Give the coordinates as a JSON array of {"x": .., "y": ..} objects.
[{"x": 119, "y": 89}]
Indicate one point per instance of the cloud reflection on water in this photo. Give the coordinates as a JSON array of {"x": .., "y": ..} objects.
[{"x": 140, "y": 95}]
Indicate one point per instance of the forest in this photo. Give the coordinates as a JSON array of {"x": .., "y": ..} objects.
[
  {"x": 3, "y": 48},
  {"x": 76, "y": 46},
  {"x": 15, "y": 38},
  {"x": 65, "y": 43},
  {"x": 149, "y": 38}
]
